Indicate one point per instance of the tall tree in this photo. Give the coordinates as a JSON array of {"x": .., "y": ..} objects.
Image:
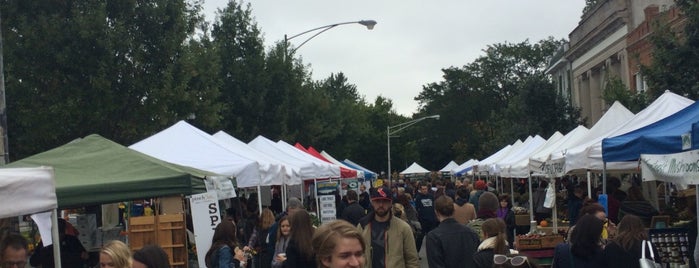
[
  {"x": 499, "y": 97},
  {"x": 245, "y": 84},
  {"x": 675, "y": 56},
  {"x": 80, "y": 67}
]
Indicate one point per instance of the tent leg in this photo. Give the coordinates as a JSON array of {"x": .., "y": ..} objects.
[
  {"x": 512, "y": 191},
  {"x": 554, "y": 217},
  {"x": 259, "y": 199},
  {"x": 284, "y": 195},
  {"x": 604, "y": 177},
  {"x": 55, "y": 237},
  {"x": 531, "y": 201},
  {"x": 315, "y": 189},
  {"x": 589, "y": 185}
]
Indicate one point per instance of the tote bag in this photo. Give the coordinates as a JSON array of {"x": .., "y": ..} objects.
[{"x": 648, "y": 262}]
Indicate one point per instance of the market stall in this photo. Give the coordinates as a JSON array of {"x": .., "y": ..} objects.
[{"x": 93, "y": 171}]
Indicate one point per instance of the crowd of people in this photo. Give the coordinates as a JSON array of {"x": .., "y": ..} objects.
[{"x": 460, "y": 224}]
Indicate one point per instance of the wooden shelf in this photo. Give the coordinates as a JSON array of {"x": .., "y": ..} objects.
[{"x": 167, "y": 231}]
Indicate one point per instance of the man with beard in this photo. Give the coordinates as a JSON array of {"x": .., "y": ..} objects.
[{"x": 392, "y": 242}]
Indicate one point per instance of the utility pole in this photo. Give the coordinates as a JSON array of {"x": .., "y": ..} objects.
[{"x": 3, "y": 106}]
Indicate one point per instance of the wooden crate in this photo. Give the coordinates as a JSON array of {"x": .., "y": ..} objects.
[
  {"x": 550, "y": 241},
  {"x": 542, "y": 242},
  {"x": 166, "y": 231},
  {"x": 527, "y": 243}
]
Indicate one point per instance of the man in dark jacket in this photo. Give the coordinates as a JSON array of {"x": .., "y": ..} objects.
[
  {"x": 364, "y": 199},
  {"x": 354, "y": 211},
  {"x": 425, "y": 212},
  {"x": 450, "y": 243}
]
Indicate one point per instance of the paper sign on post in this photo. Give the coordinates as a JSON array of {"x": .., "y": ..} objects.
[{"x": 222, "y": 185}]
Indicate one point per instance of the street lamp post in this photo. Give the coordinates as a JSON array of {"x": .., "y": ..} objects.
[
  {"x": 368, "y": 23},
  {"x": 391, "y": 130}
]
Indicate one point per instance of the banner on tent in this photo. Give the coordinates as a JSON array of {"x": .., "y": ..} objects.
[
  {"x": 553, "y": 167},
  {"x": 682, "y": 168}
]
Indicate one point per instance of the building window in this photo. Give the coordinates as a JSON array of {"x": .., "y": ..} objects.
[{"x": 640, "y": 82}]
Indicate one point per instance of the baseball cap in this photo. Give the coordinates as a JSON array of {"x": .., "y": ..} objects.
[{"x": 381, "y": 193}]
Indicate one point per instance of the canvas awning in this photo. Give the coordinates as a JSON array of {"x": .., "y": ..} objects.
[{"x": 94, "y": 170}]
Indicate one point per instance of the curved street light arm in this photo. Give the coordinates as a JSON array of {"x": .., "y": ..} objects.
[
  {"x": 402, "y": 126},
  {"x": 368, "y": 23},
  {"x": 395, "y": 129}
]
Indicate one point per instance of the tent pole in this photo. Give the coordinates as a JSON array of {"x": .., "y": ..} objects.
[
  {"x": 512, "y": 191},
  {"x": 555, "y": 206},
  {"x": 589, "y": 185},
  {"x": 696, "y": 197},
  {"x": 56, "y": 238},
  {"x": 604, "y": 177},
  {"x": 284, "y": 195},
  {"x": 531, "y": 200},
  {"x": 315, "y": 189},
  {"x": 259, "y": 199}
]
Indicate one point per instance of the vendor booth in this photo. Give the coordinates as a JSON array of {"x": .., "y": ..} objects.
[{"x": 93, "y": 171}]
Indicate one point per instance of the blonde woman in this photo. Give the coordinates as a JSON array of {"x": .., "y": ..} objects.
[
  {"x": 258, "y": 240},
  {"x": 115, "y": 254},
  {"x": 339, "y": 244}
]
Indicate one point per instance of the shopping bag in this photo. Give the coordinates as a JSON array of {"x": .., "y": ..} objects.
[{"x": 648, "y": 262}]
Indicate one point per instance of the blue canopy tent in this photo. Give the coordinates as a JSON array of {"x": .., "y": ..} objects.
[
  {"x": 368, "y": 174},
  {"x": 661, "y": 137}
]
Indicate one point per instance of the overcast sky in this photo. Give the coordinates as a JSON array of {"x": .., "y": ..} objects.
[{"x": 413, "y": 40}]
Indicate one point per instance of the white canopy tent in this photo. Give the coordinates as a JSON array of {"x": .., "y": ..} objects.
[
  {"x": 285, "y": 173},
  {"x": 588, "y": 154},
  {"x": 491, "y": 167},
  {"x": 360, "y": 173},
  {"x": 332, "y": 170},
  {"x": 32, "y": 191},
  {"x": 484, "y": 164},
  {"x": 527, "y": 147},
  {"x": 519, "y": 168},
  {"x": 307, "y": 170},
  {"x": 466, "y": 167},
  {"x": 451, "y": 165},
  {"x": 537, "y": 162},
  {"x": 615, "y": 116},
  {"x": 186, "y": 145},
  {"x": 414, "y": 168}
]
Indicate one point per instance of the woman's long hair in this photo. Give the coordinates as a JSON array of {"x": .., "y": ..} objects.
[
  {"x": 630, "y": 230},
  {"x": 585, "y": 238},
  {"x": 301, "y": 230},
  {"x": 279, "y": 226},
  {"x": 224, "y": 235},
  {"x": 495, "y": 227},
  {"x": 266, "y": 219}
]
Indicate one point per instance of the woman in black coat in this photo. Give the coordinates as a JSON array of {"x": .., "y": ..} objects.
[{"x": 625, "y": 249}]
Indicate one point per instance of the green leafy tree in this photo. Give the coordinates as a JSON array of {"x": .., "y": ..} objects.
[
  {"x": 615, "y": 90},
  {"x": 675, "y": 55},
  {"x": 112, "y": 68},
  {"x": 245, "y": 83},
  {"x": 499, "y": 97}
]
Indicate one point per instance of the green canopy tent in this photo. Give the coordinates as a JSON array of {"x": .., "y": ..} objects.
[{"x": 94, "y": 170}]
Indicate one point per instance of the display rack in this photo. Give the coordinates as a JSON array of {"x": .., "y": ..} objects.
[{"x": 672, "y": 245}]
